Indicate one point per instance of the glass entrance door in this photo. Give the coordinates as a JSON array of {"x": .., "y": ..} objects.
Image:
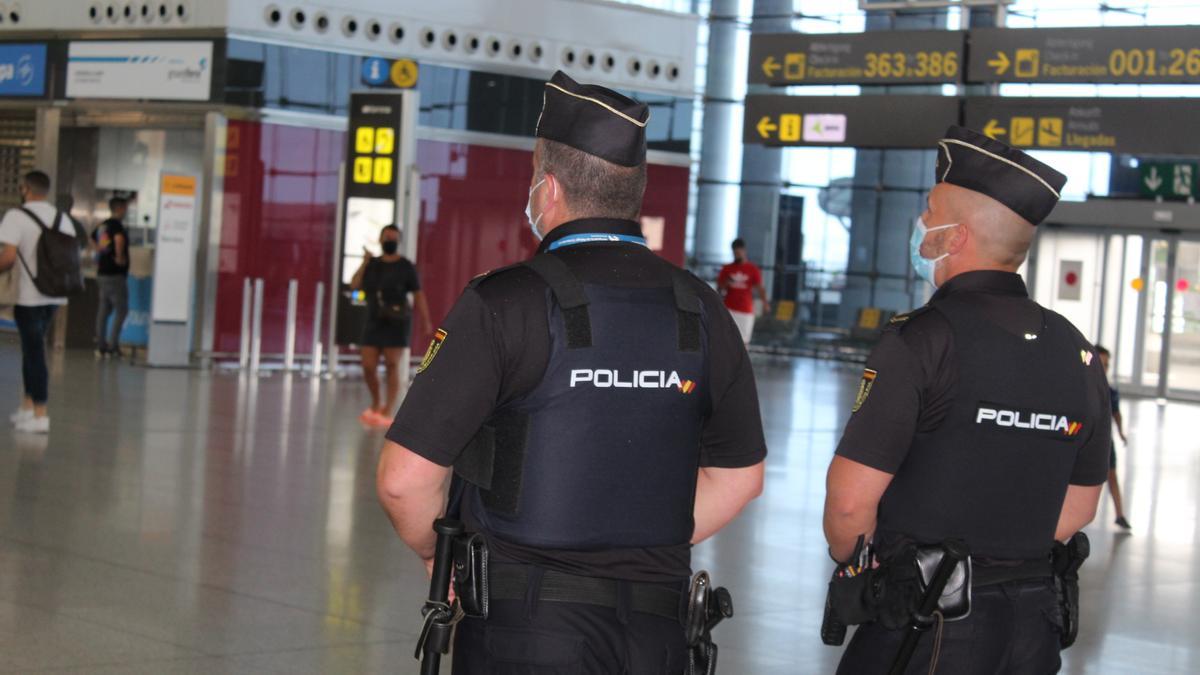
[
  {"x": 1138, "y": 295},
  {"x": 1151, "y": 314}
]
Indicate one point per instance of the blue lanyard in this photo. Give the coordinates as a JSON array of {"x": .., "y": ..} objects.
[{"x": 596, "y": 238}]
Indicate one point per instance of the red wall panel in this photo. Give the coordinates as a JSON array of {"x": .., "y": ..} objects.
[
  {"x": 280, "y": 218},
  {"x": 473, "y": 215},
  {"x": 278, "y": 221}
]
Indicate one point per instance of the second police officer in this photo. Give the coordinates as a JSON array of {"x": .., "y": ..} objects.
[
  {"x": 981, "y": 417},
  {"x": 598, "y": 408}
]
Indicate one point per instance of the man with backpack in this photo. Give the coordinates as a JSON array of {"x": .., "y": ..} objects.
[{"x": 44, "y": 244}]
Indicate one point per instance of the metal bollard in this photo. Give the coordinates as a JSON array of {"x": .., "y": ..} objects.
[
  {"x": 404, "y": 366},
  {"x": 316, "y": 331},
  {"x": 256, "y": 329},
  {"x": 289, "y": 340},
  {"x": 244, "y": 347},
  {"x": 332, "y": 357}
]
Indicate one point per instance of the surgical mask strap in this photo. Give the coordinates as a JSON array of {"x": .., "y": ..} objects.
[
  {"x": 533, "y": 223},
  {"x": 938, "y": 227},
  {"x": 928, "y": 229}
]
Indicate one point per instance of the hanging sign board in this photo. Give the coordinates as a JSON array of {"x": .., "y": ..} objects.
[
  {"x": 1122, "y": 125},
  {"x": 1150, "y": 55},
  {"x": 892, "y": 57},
  {"x": 852, "y": 121}
]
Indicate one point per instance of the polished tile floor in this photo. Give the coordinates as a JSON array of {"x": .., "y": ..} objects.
[{"x": 193, "y": 522}]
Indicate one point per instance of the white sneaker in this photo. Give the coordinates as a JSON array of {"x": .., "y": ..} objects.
[
  {"x": 21, "y": 415},
  {"x": 34, "y": 425}
]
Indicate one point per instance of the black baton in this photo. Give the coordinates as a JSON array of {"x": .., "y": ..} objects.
[
  {"x": 953, "y": 552},
  {"x": 435, "y": 634}
]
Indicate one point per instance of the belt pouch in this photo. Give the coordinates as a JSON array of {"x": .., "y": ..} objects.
[
  {"x": 852, "y": 598},
  {"x": 955, "y": 602},
  {"x": 470, "y": 574}
]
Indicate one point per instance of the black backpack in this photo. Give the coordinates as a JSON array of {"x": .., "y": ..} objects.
[{"x": 59, "y": 262}]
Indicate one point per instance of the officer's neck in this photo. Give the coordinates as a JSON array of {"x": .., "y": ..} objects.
[
  {"x": 550, "y": 224},
  {"x": 951, "y": 267}
]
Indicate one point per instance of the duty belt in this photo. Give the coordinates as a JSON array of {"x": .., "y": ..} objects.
[
  {"x": 512, "y": 582},
  {"x": 994, "y": 572}
]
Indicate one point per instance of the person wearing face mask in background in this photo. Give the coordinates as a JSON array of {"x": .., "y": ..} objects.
[
  {"x": 386, "y": 283},
  {"x": 981, "y": 417},
  {"x": 598, "y": 411}
]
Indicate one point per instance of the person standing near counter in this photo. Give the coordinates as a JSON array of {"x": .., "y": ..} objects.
[{"x": 112, "y": 272}]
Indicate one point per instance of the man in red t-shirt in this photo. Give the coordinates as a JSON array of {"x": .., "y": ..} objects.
[{"x": 738, "y": 282}]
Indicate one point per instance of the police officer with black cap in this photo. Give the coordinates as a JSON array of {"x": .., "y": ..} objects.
[
  {"x": 598, "y": 411},
  {"x": 981, "y": 417}
]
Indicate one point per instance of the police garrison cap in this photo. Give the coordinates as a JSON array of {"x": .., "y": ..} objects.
[
  {"x": 976, "y": 162},
  {"x": 595, "y": 120}
]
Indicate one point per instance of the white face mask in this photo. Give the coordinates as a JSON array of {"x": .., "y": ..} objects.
[
  {"x": 533, "y": 223},
  {"x": 925, "y": 267}
]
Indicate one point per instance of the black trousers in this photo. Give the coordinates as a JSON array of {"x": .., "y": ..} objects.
[
  {"x": 560, "y": 638},
  {"x": 33, "y": 323},
  {"x": 1013, "y": 629}
]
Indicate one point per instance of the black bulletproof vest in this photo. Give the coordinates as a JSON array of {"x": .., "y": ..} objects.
[
  {"x": 603, "y": 453},
  {"x": 996, "y": 471}
]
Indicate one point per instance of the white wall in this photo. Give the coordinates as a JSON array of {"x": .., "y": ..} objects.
[
  {"x": 662, "y": 44},
  {"x": 1055, "y": 247}
]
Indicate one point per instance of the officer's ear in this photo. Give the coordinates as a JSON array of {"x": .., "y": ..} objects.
[
  {"x": 957, "y": 238},
  {"x": 553, "y": 204}
]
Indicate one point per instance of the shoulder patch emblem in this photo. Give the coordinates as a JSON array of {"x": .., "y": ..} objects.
[
  {"x": 899, "y": 318},
  {"x": 435, "y": 346},
  {"x": 864, "y": 388},
  {"x": 1085, "y": 356}
]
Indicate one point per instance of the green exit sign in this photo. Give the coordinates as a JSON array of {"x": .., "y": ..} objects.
[{"x": 1168, "y": 179}]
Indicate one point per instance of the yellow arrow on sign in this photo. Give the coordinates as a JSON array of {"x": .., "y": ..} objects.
[
  {"x": 993, "y": 129},
  {"x": 1000, "y": 63},
  {"x": 765, "y": 127},
  {"x": 771, "y": 66}
]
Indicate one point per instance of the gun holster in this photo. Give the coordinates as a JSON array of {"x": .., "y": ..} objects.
[
  {"x": 471, "y": 574},
  {"x": 707, "y": 606},
  {"x": 1066, "y": 560}
]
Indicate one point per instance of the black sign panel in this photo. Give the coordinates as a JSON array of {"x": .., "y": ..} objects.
[
  {"x": 892, "y": 57},
  {"x": 852, "y": 121},
  {"x": 373, "y": 145},
  {"x": 1123, "y": 125},
  {"x": 1166, "y": 54}
]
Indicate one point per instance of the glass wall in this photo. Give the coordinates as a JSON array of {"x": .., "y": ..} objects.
[
  {"x": 857, "y": 206},
  {"x": 309, "y": 80}
]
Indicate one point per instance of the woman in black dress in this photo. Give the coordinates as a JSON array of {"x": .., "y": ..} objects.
[{"x": 386, "y": 282}]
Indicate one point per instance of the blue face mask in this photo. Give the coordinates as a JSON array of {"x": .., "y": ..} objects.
[
  {"x": 924, "y": 267},
  {"x": 533, "y": 223}
]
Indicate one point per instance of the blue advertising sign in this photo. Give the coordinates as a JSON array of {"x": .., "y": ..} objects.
[
  {"x": 375, "y": 71},
  {"x": 22, "y": 69}
]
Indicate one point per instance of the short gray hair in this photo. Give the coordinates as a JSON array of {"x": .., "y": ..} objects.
[{"x": 595, "y": 188}]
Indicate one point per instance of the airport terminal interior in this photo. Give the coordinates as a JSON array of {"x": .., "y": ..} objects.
[{"x": 205, "y": 500}]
